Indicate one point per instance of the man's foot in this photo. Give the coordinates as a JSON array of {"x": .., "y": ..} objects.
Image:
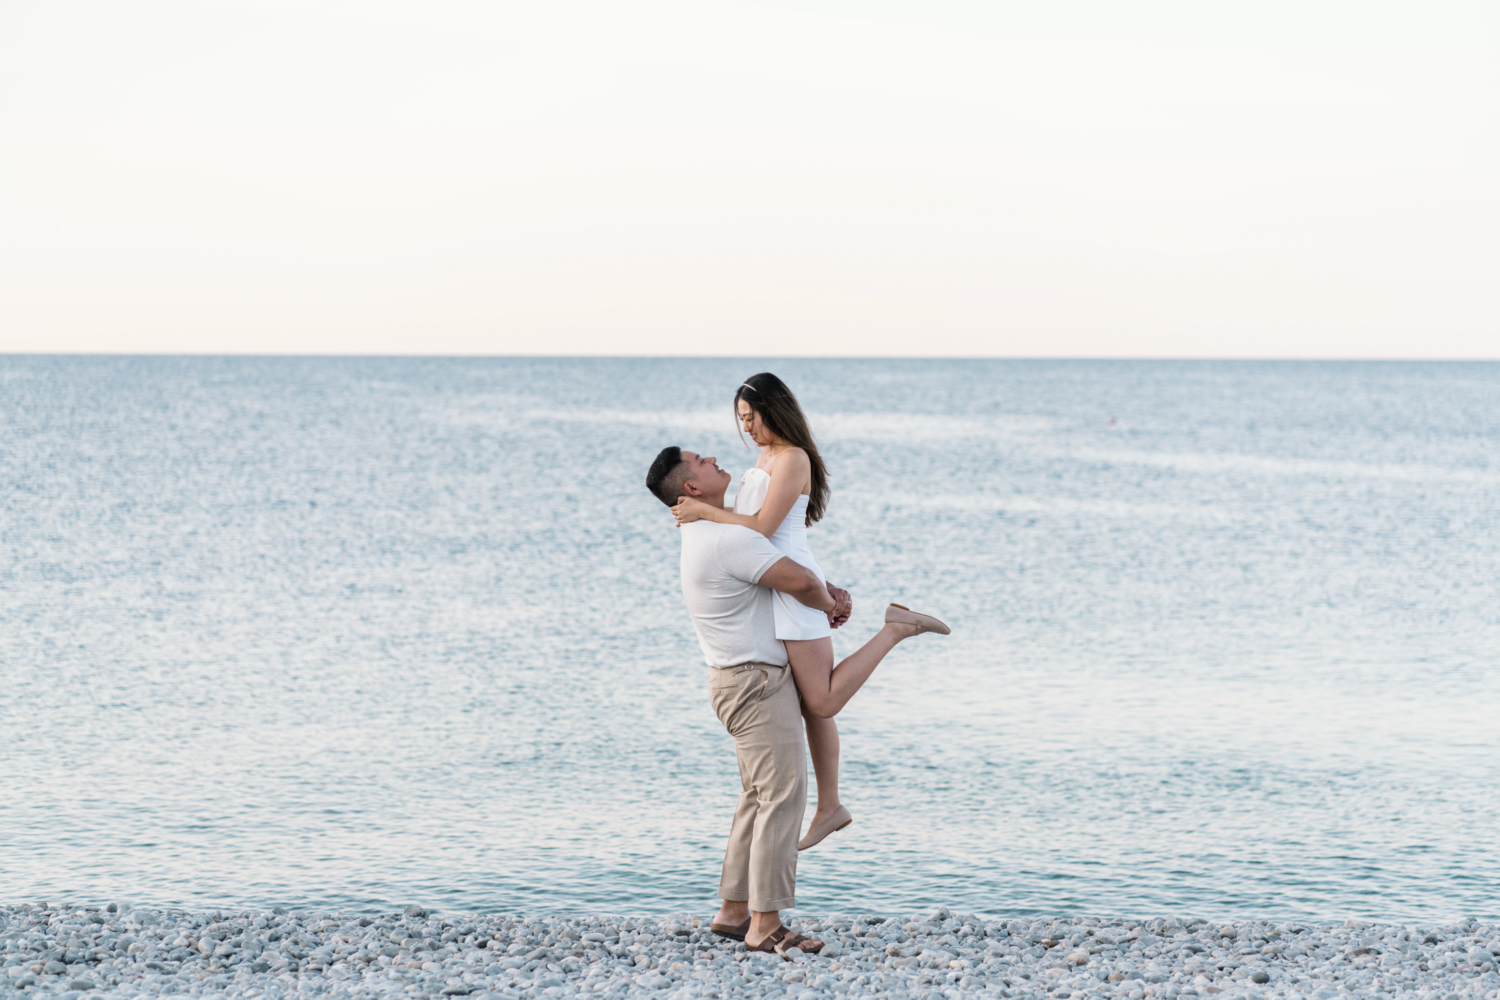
[
  {"x": 783, "y": 939},
  {"x": 732, "y": 913},
  {"x": 734, "y": 932},
  {"x": 823, "y": 824}
]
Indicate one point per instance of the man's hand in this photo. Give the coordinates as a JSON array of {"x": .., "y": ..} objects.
[{"x": 843, "y": 606}]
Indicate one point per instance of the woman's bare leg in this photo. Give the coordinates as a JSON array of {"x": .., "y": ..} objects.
[
  {"x": 826, "y": 688},
  {"x": 812, "y": 659},
  {"x": 823, "y": 745}
]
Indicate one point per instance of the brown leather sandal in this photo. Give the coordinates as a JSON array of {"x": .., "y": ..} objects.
[
  {"x": 733, "y": 933},
  {"x": 782, "y": 940}
]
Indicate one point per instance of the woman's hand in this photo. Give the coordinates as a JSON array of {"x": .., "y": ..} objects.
[{"x": 688, "y": 510}]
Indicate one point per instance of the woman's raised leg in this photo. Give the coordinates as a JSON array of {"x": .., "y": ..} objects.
[{"x": 826, "y": 688}]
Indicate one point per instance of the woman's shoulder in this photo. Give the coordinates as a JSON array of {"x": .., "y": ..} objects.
[{"x": 791, "y": 458}]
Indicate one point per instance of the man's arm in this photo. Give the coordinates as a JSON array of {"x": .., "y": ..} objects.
[{"x": 793, "y": 578}]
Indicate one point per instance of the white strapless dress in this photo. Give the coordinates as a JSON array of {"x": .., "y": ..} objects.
[{"x": 794, "y": 620}]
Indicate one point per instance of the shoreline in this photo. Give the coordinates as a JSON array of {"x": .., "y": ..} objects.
[{"x": 145, "y": 951}]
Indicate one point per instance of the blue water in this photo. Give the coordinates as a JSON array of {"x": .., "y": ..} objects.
[{"x": 355, "y": 633}]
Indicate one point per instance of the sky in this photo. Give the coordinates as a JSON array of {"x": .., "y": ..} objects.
[{"x": 1300, "y": 179}]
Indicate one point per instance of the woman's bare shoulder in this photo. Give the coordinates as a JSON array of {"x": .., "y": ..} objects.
[{"x": 791, "y": 460}]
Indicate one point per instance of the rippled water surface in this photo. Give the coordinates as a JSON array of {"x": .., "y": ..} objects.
[{"x": 356, "y": 633}]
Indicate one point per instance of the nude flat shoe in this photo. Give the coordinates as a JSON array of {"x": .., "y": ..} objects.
[
  {"x": 818, "y": 831},
  {"x": 902, "y": 615}
]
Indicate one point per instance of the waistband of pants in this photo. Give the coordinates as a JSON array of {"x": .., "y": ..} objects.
[{"x": 752, "y": 665}]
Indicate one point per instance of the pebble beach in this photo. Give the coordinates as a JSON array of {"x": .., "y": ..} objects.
[{"x": 142, "y": 951}]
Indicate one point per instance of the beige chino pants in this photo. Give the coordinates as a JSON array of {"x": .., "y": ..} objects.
[{"x": 758, "y": 704}]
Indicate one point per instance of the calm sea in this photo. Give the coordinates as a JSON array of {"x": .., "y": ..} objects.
[{"x": 357, "y": 633}]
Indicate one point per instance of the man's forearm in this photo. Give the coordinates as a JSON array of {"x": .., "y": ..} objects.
[
  {"x": 815, "y": 595},
  {"x": 799, "y": 583}
]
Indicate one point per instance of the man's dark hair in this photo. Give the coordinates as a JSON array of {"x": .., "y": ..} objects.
[{"x": 668, "y": 473}]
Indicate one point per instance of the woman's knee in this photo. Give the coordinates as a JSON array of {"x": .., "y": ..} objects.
[
  {"x": 812, "y": 715},
  {"x": 821, "y": 705}
]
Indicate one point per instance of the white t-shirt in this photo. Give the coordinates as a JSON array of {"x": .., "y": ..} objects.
[{"x": 721, "y": 567}]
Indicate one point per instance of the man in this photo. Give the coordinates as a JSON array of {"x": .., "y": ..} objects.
[{"x": 728, "y": 573}]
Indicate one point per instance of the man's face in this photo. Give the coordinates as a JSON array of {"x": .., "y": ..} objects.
[{"x": 705, "y": 475}]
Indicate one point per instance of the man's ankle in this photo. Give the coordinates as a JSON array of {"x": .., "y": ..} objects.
[
  {"x": 732, "y": 911},
  {"x": 762, "y": 925}
]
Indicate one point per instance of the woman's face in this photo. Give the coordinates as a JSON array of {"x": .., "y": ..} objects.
[{"x": 752, "y": 425}]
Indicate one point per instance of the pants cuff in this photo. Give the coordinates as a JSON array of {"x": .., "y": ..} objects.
[{"x": 767, "y": 905}]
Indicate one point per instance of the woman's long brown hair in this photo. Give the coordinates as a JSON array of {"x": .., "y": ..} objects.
[{"x": 768, "y": 395}]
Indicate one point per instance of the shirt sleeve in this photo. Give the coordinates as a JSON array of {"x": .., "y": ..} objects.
[{"x": 746, "y": 554}]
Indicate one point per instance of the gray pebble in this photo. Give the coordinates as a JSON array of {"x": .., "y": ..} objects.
[{"x": 419, "y": 954}]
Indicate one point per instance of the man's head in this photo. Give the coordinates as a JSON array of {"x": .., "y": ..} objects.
[{"x": 676, "y": 473}]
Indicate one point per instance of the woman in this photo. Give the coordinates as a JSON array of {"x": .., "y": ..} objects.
[{"x": 786, "y": 491}]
